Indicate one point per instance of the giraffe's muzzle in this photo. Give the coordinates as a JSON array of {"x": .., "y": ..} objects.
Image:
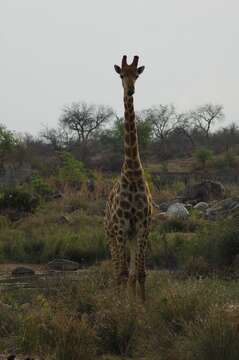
[{"x": 130, "y": 92}]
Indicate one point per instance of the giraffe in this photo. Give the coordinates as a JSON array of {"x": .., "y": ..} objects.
[{"x": 129, "y": 206}]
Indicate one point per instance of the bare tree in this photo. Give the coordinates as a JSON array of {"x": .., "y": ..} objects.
[
  {"x": 205, "y": 116},
  {"x": 164, "y": 121},
  {"x": 85, "y": 119},
  {"x": 184, "y": 127},
  {"x": 59, "y": 138}
]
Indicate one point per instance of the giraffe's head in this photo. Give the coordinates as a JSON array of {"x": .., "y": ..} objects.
[{"x": 129, "y": 74}]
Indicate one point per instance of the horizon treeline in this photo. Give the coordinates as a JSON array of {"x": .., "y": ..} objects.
[{"x": 94, "y": 135}]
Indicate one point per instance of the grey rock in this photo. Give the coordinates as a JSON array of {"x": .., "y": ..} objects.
[
  {"x": 23, "y": 271},
  {"x": 63, "y": 265},
  {"x": 188, "y": 206},
  {"x": 178, "y": 210},
  {"x": 155, "y": 205},
  {"x": 201, "y": 206},
  {"x": 11, "y": 357},
  {"x": 223, "y": 209},
  {"x": 211, "y": 214},
  {"x": 164, "y": 206},
  {"x": 229, "y": 203}
]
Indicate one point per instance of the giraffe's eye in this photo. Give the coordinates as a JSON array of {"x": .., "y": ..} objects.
[{"x": 121, "y": 76}]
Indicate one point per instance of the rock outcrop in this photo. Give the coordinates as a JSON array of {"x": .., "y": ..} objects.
[
  {"x": 204, "y": 191},
  {"x": 223, "y": 209},
  {"x": 23, "y": 271},
  {"x": 63, "y": 265}
]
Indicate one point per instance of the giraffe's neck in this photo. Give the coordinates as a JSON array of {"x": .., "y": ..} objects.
[{"x": 132, "y": 167}]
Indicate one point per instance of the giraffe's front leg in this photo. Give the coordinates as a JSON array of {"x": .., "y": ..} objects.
[
  {"x": 140, "y": 267},
  {"x": 123, "y": 265},
  {"x": 115, "y": 258},
  {"x": 132, "y": 284},
  {"x": 132, "y": 269}
]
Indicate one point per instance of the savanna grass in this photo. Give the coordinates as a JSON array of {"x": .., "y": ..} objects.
[
  {"x": 68, "y": 228},
  {"x": 182, "y": 319}
]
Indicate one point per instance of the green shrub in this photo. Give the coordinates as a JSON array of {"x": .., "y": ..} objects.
[
  {"x": 213, "y": 246},
  {"x": 203, "y": 155},
  {"x": 11, "y": 245},
  {"x": 4, "y": 222},
  {"x": 72, "y": 171},
  {"x": 164, "y": 167},
  {"x": 163, "y": 252},
  {"x": 218, "y": 243},
  {"x": 196, "y": 266},
  {"x": 41, "y": 187},
  {"x": 171, "y": 250},
  {"x": 228, "y": 160},
  {"x": 18, "y": 200},
  {"x": 8, "y": 143},
  {"x": 86, "y": 250},
  {"x": 34, "y": 249},
  {"x": 8, "y": 321},
  {"x": 175, "y": 224}
]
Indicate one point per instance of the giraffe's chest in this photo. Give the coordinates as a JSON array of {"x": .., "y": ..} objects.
[
  {"x": 129, "y": 202},
  {"x": 132, "y": 200},
  {"x": 129, "y": 209},
  {"x": 133, "y": 206}
]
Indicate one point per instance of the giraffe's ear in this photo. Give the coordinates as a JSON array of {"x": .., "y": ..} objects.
[
  {"x": 140, "y": 69},
  {"x": 117, "y": 69}
]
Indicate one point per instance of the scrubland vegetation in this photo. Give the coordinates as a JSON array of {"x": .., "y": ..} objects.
[
  {"x": 184, "y": 318},
  {"x": 192, "y": 309}
]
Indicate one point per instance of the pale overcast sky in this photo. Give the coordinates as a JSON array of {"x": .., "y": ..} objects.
[{"x": 54, "y": 52}]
